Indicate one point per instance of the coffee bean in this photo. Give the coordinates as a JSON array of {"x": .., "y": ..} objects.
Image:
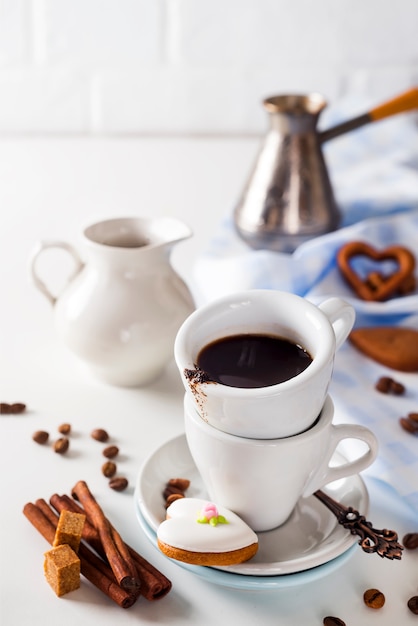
[
  {"x": 109, "y": 469},
  {"x": 333, "y": 621},
  {"x": 170, "y": 489},
  {"x": 64, "y": 429},
  {"x": 180, "y": 483},
  {"x": 172, "y": 497},
  {"x": 397, "y": 388},
  {"x": 385, "y": 384},
  {"x": 374, "y": 598},
  {"x": 410, "y": 541},
  {"x": 413, "y": 417},
  {"x": 100, "y": 435},
  {"x": 18, "y": 407},
  {"x": 61, "y": 445},
  {"x": 40, "y": 436},
  {"x": 174, "y": 489},
  {"x": 110, "y": 452},
  {"x": 413, "y": 605},
  {"x": 8, "y": 409},
  {"x": 409, "y": 425},
  {"x": 118, "y": 484}
]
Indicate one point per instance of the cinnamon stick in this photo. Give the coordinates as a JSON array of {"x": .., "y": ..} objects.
[
  {"x": 123, "y": 566},
  {"x": 92, "y": 567},
  {"x": 154, "y": 585}
]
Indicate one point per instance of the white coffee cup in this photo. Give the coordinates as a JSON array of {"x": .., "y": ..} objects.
[
  {"x": 277, "y": 410},
  {"x": 262, "y": 480}
]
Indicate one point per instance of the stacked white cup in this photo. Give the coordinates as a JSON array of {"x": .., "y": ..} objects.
[{"x": 260, "y": 449}]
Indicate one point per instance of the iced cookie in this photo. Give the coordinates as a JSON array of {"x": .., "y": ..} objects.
[
  {"x": 197, "y": 531},
  {"x": 394, "y": 347}
]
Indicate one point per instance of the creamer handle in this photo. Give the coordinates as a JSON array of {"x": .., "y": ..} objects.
[{"x": 46, "y": 245}]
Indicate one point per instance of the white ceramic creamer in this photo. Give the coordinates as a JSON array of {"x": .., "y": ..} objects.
[{"x": 124, "y": 304}]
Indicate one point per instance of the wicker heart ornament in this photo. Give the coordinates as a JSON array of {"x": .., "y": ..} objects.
[{"x": 377, "y": 286}]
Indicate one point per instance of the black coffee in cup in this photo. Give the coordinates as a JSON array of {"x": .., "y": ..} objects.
[{"x": 252, "y": 360}]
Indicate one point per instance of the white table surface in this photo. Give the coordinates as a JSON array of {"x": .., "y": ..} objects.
[{"x": 51, "y": 188}]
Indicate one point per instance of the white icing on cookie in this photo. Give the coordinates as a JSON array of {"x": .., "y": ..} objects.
[{"x": 182, "y": 530}]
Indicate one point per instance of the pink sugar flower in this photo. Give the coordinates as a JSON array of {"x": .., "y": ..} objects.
[{"x": 209, "y": 515}]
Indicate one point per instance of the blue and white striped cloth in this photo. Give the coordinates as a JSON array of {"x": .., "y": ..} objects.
[
  {"x": 375, "y": 177},
  {"x": 311, "y": 271},
  {"x": 357, "y": 401}
]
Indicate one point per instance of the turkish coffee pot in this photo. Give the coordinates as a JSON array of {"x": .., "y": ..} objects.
[{"x": 288, "y": 198}]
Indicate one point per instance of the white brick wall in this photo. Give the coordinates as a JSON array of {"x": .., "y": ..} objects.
[{"x": 193, "y": 67}]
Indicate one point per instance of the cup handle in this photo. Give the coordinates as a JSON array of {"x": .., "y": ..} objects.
[
  {"x": 341, "y": 316},
  {"x": 326, "y": 474},
  {"x": 40, "y": 248}
]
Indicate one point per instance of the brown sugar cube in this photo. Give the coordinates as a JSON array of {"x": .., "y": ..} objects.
[
  {"x": 62, "y": 569},
  {"x": 69, "y": 529}
]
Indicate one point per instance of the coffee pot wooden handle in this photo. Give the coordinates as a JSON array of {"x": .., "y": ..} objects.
[
  {"x": 407, "y": 101},
  {"x": 404, "y": 102}
]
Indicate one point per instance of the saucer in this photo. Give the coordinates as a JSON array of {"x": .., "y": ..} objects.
[{"x": 310, "y": 538}]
